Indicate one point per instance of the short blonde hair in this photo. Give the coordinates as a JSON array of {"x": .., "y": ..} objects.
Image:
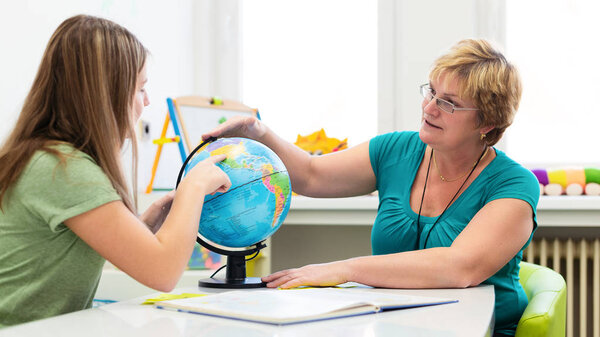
[{"x": 485, "y": 77}]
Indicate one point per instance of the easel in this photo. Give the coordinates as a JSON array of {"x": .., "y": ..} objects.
[
  {"x": 172, "y": 114},
  {"x": 175, "y": 115}
]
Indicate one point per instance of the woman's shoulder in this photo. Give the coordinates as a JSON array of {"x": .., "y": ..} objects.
[
  {"x": 401, "y": 140},
  {"x": 509, "y": 167},
  {"x": 505, "y": 171}
]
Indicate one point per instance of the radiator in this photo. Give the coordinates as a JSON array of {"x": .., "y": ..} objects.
[{"x": 578, "y": 261}]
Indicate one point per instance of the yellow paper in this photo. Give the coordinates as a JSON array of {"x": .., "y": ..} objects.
[{"x": 165, "y": 297}]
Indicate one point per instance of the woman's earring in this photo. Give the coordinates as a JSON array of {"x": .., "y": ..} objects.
[{"x": 483, "y": 135}]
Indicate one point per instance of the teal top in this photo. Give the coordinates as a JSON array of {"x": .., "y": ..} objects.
[
  {"x": 395, "y": 158},
  {"x": 45, "y": 269}
]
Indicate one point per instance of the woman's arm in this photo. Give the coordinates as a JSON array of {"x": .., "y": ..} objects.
[
  {"x": 493, "y": 237},
  {"x": 339, "y": 174},
  {"x": 156, "y": 260}
]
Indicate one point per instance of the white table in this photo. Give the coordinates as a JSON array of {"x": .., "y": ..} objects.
[{"x": 473, "y": 315}]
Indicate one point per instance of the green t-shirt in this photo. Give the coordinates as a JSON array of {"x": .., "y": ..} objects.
[
  {"x": 395, "y": 159},
  {"x": 45, "y": 269}
]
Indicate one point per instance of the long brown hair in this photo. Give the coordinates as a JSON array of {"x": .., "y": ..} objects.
[{"x": 82, "y": 95}]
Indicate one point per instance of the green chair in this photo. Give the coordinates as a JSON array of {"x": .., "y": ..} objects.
[{"x": 546, "y": 313}]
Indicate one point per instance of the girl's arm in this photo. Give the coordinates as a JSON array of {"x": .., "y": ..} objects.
[{"x": 155, "y": 260}]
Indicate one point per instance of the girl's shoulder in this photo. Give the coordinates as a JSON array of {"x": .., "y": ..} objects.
[
  {"x": 60, "y": 162},
  {"x": 62, "y": 154}
]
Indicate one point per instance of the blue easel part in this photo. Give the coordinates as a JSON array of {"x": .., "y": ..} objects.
[
  {"x": 257, "y": 115},
  {"x": 175, "y": 123}
]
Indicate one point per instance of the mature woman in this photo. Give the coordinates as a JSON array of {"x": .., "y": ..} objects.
[{"x": 454, "y": 211}]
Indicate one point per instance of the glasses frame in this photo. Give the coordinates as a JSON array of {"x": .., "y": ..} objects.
[{"x": 425, "y": 90}]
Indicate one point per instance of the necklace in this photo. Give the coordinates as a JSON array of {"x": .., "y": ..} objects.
[
  {"x": 455, "y": 179},
  {"x": 448, "y": 205}
]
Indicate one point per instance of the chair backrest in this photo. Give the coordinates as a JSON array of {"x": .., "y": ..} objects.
[{"x": 546, "y": 313}]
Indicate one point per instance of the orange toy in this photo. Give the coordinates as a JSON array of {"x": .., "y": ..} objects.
[{"x": 318, "y": 143}]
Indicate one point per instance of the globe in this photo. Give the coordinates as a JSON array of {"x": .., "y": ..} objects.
[{"x": 258, "y": 200}]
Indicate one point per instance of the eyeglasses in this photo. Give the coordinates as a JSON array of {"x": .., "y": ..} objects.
[{"x": 440, "y": 103}]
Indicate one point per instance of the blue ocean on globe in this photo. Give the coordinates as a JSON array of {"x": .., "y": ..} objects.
[{"x": 258, "y": 200}]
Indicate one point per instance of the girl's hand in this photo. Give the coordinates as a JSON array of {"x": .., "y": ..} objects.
[
  {"x": 238, "y": 126},
  {"x": 325, "y": 274},
  {"x": 207, "y": 176},
  {"x": 156, "y": 214}
]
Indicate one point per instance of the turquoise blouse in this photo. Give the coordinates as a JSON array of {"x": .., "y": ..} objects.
[{"x": 395, "y": 158}]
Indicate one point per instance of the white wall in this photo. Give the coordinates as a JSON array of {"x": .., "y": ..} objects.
[
  {"x": 422, "y": 30},
  {"x": 412, "y": 35},
  {"x": 217, "y": 48}
]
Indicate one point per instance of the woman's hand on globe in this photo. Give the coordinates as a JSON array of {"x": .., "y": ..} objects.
[
  {"x": 207, "y": 176},
  {"x": 238, "y": 126},
  {"x": 325, "y": 274}
]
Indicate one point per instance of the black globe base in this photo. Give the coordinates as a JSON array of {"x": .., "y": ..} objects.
[
  {"x": 248, "y": 282},
  {"x": 235, "y": 276}
]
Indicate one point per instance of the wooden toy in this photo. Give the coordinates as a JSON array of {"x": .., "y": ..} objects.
[
  {"x": 569, "y": 181},
  {"x": 318, "y": 143}
]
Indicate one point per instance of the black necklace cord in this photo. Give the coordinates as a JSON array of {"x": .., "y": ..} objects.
[
  {"x": 449, "y": 203},
  {"x": 421, "y": 205}
]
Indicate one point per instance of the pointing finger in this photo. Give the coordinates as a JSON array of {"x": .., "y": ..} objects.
[{"x": 217, "y": 158}]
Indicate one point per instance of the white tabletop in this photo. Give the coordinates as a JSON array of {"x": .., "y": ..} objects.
[{"x": 472, "y": 315}]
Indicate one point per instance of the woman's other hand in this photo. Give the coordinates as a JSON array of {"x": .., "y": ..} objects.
[
  {"x": 238, "y": 126},
  {"x": 325, "y": 274}
]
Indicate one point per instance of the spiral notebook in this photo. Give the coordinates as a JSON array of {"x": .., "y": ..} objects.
[{"x": 297, "y": 305}]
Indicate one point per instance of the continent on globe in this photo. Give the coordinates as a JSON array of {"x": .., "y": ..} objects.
[{"x": 258, "y": 200}]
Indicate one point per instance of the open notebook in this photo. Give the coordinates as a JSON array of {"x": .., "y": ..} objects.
[{"x": 297, "y": 305}]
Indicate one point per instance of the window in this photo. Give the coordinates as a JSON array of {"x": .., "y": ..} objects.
[
  {"x": 557, "y": 54},
  {"x": 312, "y": 64}
]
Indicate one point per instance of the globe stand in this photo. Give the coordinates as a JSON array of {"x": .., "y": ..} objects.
[{"x": 235, "y": 274}]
